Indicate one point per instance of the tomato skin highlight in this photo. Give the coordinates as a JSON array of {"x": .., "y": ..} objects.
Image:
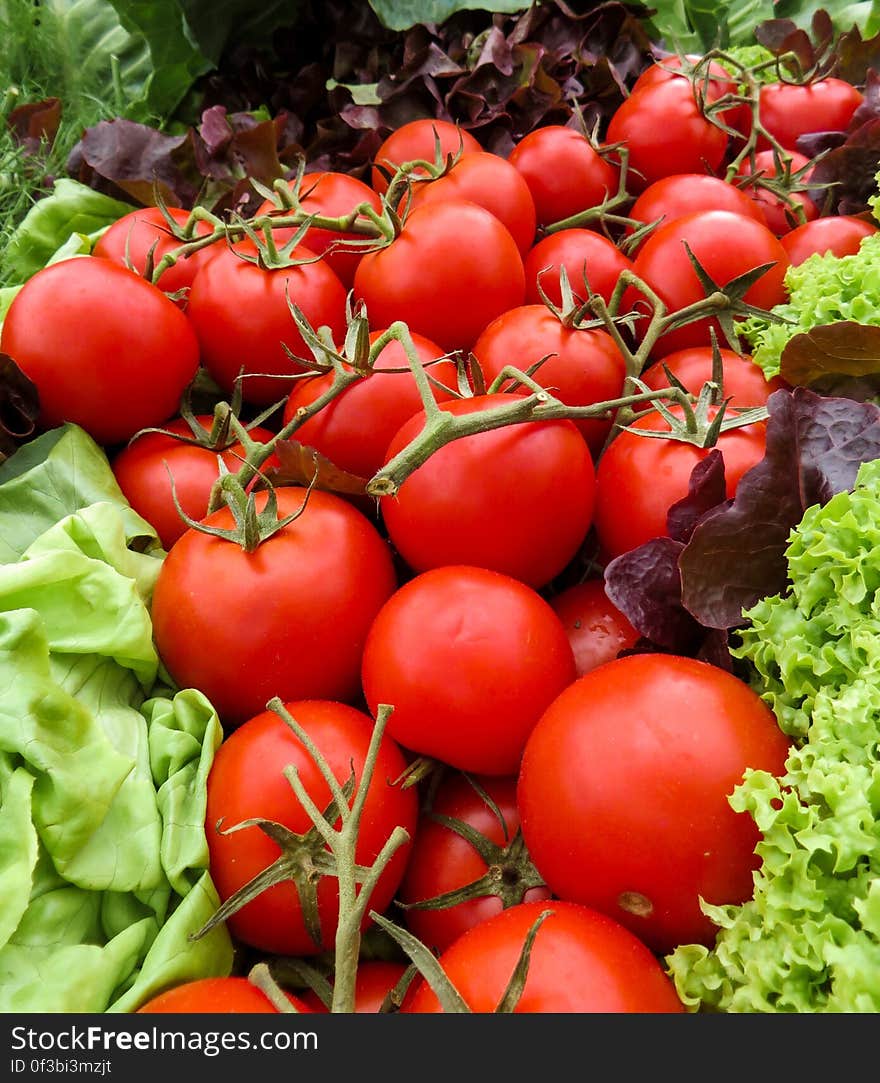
[
  {"x": 142, "y": 469},
  {"x": 638, "y": 759},
  {"x": 241, "y": 316},
  {"x": 71, "y": 330},
  {"x": 247, "y": 781},
  {"x": 469, "y": 658},
  {"x": 584, "y": 367},
  {"x": 452, "y": 269},
  {"x": 639, "y": 478},
  {"x": 517, "y": 499},
  {"x": 288, "y": 620},
  {"x": 209, "y": 996},
  {"x": 581, "y": 961},
  {"x": 441, "y": 860}
]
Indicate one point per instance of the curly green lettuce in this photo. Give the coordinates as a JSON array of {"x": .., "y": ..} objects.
[
  {"x": 823, "y": 289},
  {"x": 809, "y": 939}
]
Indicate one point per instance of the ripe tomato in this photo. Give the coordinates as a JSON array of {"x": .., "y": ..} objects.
[
  {"x": 839, "y": 234},
  {"x": 583, "y": 253},
  {"x": 242, "y": 318},
  {"x": 790, "y": 110},
  {"x": 584, "y": 367},
  {"x": 442, "y": 860},
  {"x": 209, "y": 996},
  {"x": 565, "y": 173},
  {"x": 331, "y": 195},
  {"x": 685, "y": 193},
  {"x": 743, "y": 381},
  {"x": 491, "y": 182},
  {"x": 665, "y": 132},
  {"x": 246, "y": 781},
  {"x": 142, "y": 470},
  {"x": 415, "y": 141},
  {"x": 726, "y": 245},
  {"x": 639, "y": 478},
  {"x": 453, "y": 268},
  {"x": 713, "y": 83},
  {"x": 129, "y": 240},
  {"x": 375, "y": 980},
  {"x": 516, "y": 499},
  {"x": 107, "y": 350},
  {"x": 469, "y": 659},
  {"x": 355, "y": 429},
  {"x": 624, "y": 788},
  {"x": 596, "y": 628},
  {"x": 581, "y": 961},
  {"x": 780, "y": 216},
  {"x": 289, "y": 619}
]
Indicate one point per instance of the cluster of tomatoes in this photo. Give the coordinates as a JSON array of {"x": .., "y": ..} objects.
[{"x": 572, "y": 773}]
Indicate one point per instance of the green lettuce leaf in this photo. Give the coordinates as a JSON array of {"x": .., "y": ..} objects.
[
  {"x": 809, "y": 939},
  {"x": 71, "y": 210},
  {"x": 404, "y": 14},
  {"x": 103, "y": 856}
]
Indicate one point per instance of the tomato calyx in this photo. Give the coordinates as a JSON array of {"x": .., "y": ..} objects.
[{"x": 510, "y": 873}]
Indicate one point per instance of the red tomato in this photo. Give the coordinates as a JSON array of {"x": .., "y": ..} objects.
[
  {"x": 584, "y": 367},
  {"x": 129, "y": 239},
  {"x": 581, "y": 961},
  {"x": 469, "y": 659},
  {"x": 564, "y": 171},
  {"x": 516, "y": 499},
  {"x": 713, "y": 84},
  {"x": 453, "y": 268},
  {"x": 375, "y": 980},
  {"x": 289, "y": 619},
  {"x": 442, "y": 860},
  {"x": 415, "y": 141},
  {"x": 583, "y": 253},
  {"x": 839, "y": 234},
  {"x": 790, "y": 110},
  {"x": 355, "y": 429},
  {"x": 685, "y": 193},
  {"x": 639, "y": 478},
  {"x": 247, "y": 781},
  {"x": 596, "y": 628},
  {"x": 779, "y": 216},
  {"x": 142, "y": 473},
  {"x": 209, "y": 996},
  {"x": 491, "y": 182},
  {"x": 726, "y": 245},
  {"x": 107, "y": 350},
  {"x": 331, "y": 195},
  {"x": 242, "y": 317},
  {"x": 743, "y": 381},
  {"x": 665, "y": 132},
  {"x": 624, "y": 793}
]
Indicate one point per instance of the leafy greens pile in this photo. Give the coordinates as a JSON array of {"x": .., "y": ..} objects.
[
  {"x": 809, "y": 939},
  {"x": 103, "y": 857}
]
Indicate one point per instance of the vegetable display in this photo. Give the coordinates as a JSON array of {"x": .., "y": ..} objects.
[{"x": 438, "y": 496}]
